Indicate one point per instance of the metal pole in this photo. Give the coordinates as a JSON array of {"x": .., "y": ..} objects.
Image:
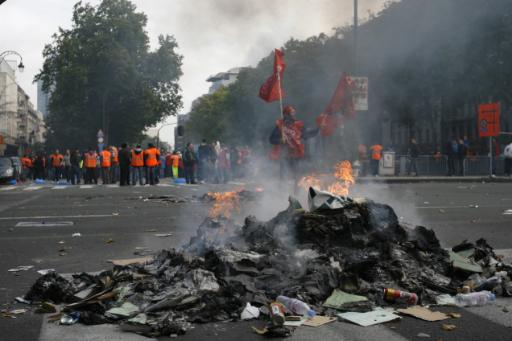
[
  {"x": 356, "y": 24},
  {"x": 490, "y": 156}
]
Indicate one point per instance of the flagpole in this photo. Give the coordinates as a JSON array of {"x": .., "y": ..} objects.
[{"x": 280, "y": 94}]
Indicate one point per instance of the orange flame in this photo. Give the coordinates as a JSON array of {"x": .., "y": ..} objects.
[
  {"x": 224, "y": 205},
  {"x": 342, "y": 172},
  {"x": 310, "y": 181}
]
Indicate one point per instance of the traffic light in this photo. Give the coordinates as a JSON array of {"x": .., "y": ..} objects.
[{"x": 181, "y": 130}]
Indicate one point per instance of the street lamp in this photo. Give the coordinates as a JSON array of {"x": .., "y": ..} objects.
[
  {"x": 158, "y": 132},
  {"x": 4, "y": 54}
]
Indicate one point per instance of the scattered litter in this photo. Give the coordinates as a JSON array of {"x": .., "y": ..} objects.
[
  {"x": 317, "y": 321},
  {"x": 43, "y": 272},
  {"x": 463, "y": 263},
  {"x": 62, "y": 242},
  {"x": 370, "y": 318},
  {"x": 21, "y": 268},
  {"x": 508, "y": 212},
  {"x": 125, "y": 262},
  {"x": 126, "y": 310},
  {"x": 46, "y": 308},
  {"x": 445, "y": 299},
  {"x": 70, "y": 319},
  {"x": 250, "y": 312},
  {"x": 448, "y": 327},
  {"x": 18, "y": 311},
  {"x": 454, "y": 315},
  {"x": 115, "y": 213},
  {"x": 400, "y": 296},
  {"x": 424, "y": 313},
  {"x": 423, "y": 335},
  {"x": 20, "y": 299},
  {"x": 163, "y": 234},
  {"x": 273, "y": 331},
  {"x": 360, "y": 248},
  {"x": 77, "y": 234},
  {"x": 440, "y": 211},
  {"x": 294, "y": 321},
  {"x": 109, "y": 241},
  {"x": 341, "y": 300}
]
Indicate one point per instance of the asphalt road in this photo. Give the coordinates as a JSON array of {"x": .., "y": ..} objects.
[{"x": 114, "y": 221}]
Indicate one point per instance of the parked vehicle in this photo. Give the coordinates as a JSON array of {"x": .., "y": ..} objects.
[{"x": 7, "y": 171}]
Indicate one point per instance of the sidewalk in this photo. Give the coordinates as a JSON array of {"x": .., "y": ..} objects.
[{"x": 411, "y": 179}]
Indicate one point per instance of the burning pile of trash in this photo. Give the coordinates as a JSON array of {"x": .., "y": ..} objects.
[{"x": 339, "y": 245}]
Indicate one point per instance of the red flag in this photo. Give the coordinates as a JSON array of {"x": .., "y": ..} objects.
[
  {"x": 270, "y": 90},
  {"x": 342, "y": 98}
]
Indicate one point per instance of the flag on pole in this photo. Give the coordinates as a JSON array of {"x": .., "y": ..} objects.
[
  {"x": 342, "y": 99},
  {"x": 271, "y": 90}
]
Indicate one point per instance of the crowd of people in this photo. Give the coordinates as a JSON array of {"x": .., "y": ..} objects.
[{"x": 127, "y": 165}]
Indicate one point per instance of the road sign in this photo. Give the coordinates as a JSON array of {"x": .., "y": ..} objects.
[
  {"x": 489, "y": 119},
  {"x": 359, "y": 87}
]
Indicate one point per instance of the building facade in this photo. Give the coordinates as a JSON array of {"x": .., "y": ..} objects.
[
  {"x": 43, "y": 99},
  {"x": 223, "y": 79},
  {"x": 21, "y": 126}
]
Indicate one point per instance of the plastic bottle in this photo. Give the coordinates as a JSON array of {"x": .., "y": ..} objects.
[
  {"x": 296, "y": 306},
  {"x": 489, "y": 283},
  {"x": 474, "y": 298}
]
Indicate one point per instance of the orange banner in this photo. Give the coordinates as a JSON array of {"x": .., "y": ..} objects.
[{"x": 489, "y": 119}]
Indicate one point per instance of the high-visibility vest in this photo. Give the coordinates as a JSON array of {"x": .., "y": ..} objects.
[
  {"x": 115, "y": 155},
  {"x": 57, "y": 160},
  {"x": 90, "y": 160},
  {"x": 137, "y": 159},
  {"x": 175, "y": 158},
  {"x": 26, "y": 162},
  {"x": 105, "y": 158},
  {"x": 152, "y": 156},
  {"x": 376, "y": 151}
]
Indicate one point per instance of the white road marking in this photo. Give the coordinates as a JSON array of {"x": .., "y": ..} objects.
[
  {"x": 7, "y": 188},
  {"x": 86, "y": 186},
  {"x": 43, "y": 223},
  {"x": 59, "y": 187},
  {"x": 61, "y": 217},
  {"x": 32, "y": 188},
  {"x": 112, "y": 186}
]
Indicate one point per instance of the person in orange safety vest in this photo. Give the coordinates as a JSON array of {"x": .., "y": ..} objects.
[
  {"x": 106, "y": 163},
  {"x": 57, "y": 164},
  {"x": 376, "y": 151},
  {"x": 26, "y": 171},
  {"x": 137, "y": 164},
  {"x": 90, "y": 166},
  {"x": 151, "y": 161}
]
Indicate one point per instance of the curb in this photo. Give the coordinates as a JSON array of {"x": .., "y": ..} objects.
[{"x": 440, "y": 179}]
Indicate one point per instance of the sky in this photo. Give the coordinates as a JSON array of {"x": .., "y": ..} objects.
[{"x": 213, "y": 35}]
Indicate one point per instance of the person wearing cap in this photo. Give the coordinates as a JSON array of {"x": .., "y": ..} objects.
[{"x": 286, "y": 140}]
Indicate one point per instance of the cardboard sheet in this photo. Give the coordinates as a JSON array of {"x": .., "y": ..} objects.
[
  {"x": 124, "y": 262},
  {"x": 424, "y": 313},
  {"x": 318, "y": 321}
]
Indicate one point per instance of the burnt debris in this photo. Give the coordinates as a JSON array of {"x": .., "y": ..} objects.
[{"x": 360, "y": 248}]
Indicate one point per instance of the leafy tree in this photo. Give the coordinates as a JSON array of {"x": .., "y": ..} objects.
[{"x": 104, "y": 76}]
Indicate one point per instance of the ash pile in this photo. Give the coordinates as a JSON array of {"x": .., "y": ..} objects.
[{"x": 358, "y": 247}]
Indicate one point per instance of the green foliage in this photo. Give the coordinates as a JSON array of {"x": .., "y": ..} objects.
[{"x": 103, "y": 76}]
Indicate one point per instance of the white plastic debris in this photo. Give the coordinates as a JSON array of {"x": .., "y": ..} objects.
[
  {"x": 508, "y": 212},
  {"x": 76, "y": 234},
  {"x": 43, "y": 272},
  {"x": 250, "y": 312},
  {"x": 21, "y": 268},
  {"x": 324, "y": 200}
]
